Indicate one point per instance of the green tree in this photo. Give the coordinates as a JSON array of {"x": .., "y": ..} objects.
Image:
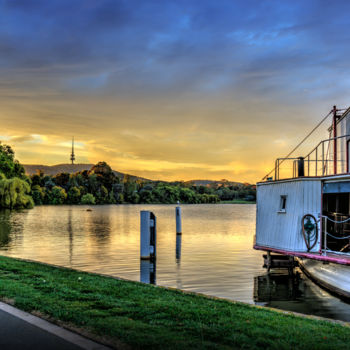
[
  {"x": 38, "y": 194},
  {"x": 14, "y": 194},
  {"x": 61, "y": 179},
  {"x": 58, "y": 195},
  {"x": 105, "y": 174},
  {"x": 88, "y": 199},
  {"x": 74, "y": 195},
  {"x": 9, "y": 166}
]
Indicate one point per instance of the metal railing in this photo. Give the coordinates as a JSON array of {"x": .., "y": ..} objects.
[
  {"x": 336, "y": 234},
  {"x": 319, "y": 162}
]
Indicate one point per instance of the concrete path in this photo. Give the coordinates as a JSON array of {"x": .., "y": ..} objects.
[{"x": 23, "y": 331}]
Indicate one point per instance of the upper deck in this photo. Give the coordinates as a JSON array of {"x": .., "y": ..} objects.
[{"x": 330, "y": 156}]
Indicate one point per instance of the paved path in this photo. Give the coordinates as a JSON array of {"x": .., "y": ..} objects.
[{"x": 23, "y": 331}]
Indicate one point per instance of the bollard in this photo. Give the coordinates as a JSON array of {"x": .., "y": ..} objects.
[
  {"x": 178, "y": 220},
  {"x": 148, "y": 235}
]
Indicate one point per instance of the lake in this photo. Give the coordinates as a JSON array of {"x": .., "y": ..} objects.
[{"x": 213, "y": 256}]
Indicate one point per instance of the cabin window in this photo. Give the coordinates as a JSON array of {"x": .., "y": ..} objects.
[{"x": 283, "y": 203}]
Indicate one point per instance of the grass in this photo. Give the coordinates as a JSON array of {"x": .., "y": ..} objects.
[
  {"x": 237, "y": 201},
  {"x": 149, "y": 317}
]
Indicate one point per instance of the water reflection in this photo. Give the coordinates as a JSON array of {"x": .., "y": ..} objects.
[
  {"x": 70, "y": 233},
  {"x": 279, "y": 286},
  {"x": 148, "y": 271},
  {"x": 213, "y": 256},
  {"x": 298, "y": 294},
  {"x": 5, "y": 228},
  {"x": 178, "y": 248}
]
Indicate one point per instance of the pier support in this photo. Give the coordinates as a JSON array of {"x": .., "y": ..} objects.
[
  {"x": 148, "y": 235},
  {"x": 278, "y": 261},
  {"x": 178, "y": 220}
]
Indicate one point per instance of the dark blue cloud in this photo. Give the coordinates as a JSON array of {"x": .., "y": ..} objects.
[{"x": 260, "y": 48}]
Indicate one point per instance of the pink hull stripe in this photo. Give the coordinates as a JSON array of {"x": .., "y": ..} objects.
[{"x": 330, "y": 257}]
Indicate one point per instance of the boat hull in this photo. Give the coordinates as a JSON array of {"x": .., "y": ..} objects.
[{"x": 333, "y": 277}]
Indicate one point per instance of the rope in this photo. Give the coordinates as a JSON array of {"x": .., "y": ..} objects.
[{"x": 300, "y": 143}]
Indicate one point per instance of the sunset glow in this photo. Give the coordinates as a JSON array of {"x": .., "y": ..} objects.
[{"x": 169, "y": 90}]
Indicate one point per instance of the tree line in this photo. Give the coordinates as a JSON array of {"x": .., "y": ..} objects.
[{"x": 100, "y": 185}]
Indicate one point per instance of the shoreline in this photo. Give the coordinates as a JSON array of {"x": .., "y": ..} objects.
[
  {"x": 116, "y": 311},
  {"x": 133, "y": 204}
]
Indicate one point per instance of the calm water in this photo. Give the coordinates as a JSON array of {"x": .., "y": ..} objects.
[{"x": 214, "y": 255}]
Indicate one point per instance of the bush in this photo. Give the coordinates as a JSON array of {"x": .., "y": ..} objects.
[{"x": 88, "y": 199}]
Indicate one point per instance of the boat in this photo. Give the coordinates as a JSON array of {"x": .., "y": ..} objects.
[{"x": 303, "y": 207}]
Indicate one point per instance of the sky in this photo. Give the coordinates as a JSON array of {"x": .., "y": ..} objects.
[{"x": 171, "y": 90}]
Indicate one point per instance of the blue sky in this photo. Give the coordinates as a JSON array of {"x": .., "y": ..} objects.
[{"x": 170, "y": 89}]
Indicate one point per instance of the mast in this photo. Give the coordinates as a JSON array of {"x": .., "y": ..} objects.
[{"x": 72, "y": 156}]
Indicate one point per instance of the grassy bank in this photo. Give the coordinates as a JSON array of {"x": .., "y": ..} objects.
[
  {"x": 145, "y": 316},
  {"x": 237, "y": 201}
]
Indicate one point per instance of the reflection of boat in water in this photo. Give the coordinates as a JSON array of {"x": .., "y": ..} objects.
[
  {"x": 297, "y": 293},
  {"x": 304, "y": 209},
  {"x": 276, "y": 287}
]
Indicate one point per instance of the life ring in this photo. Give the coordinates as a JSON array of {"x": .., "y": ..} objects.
[{"x": 309, "y": 230}]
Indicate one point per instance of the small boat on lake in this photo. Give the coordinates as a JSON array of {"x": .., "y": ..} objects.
[{"x": 303, "y": 209}]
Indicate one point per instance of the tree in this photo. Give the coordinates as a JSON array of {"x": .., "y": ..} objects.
[
  {"x": 61, "y": 179},
  {"x": 14, "y": 185},
  {"x": 88, "y": 199},
  {"x": 9, "y": 166},
  {"x": 14, "y": 194},
  {"x": 38, "y": 194},
  {"x": 74, "y": 195},
  {"x": 58, "y": 195},
  {"x": 105, "y": 174}
]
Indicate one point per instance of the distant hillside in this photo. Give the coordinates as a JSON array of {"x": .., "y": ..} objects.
[
  {"x": 74, "y": 168},
  {"x": 212, "y": 182},
  {"x": 68, "y": 168}
]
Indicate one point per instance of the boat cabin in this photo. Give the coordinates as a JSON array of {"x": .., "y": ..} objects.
[{"x": 304, "y": 209}]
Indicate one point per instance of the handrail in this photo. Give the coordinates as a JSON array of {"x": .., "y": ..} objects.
[
  {"x": 331, "y": 139},
  {"x": 324, "y": 161},
  {"x": 326, "y": 249}
]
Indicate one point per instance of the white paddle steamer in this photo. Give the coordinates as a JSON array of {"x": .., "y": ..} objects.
[{"x": 303, "y": 209}]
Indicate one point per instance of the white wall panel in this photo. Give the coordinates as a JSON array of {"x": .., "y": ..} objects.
[{"x": 283, "y": 230}]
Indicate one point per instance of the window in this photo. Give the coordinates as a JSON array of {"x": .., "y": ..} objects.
[{"x": 283, "y": 203}]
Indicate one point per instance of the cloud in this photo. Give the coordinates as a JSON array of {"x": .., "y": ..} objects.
[{"x": 170, "y": 89}]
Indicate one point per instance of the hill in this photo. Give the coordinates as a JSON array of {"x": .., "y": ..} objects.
[
  {"x": 214, "y": 182},
  {"x": 68, "y": 168},
  {"x": 74, "y": 168}
]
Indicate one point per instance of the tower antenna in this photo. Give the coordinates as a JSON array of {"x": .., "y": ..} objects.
[{"x": 72, "y": 156}]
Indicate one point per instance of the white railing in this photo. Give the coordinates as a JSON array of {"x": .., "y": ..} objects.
[{"x": 325, "y": 249}]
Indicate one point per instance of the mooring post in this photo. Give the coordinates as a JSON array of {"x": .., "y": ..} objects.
[
  {"x": 178, "y": 219},
  {"x": 147, "y": 235}
]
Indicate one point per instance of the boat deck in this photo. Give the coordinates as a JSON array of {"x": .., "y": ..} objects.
[{"x": 330, "y": 257}]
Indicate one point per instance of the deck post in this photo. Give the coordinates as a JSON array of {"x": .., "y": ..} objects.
[
  {"x": 322, "y": 158},
  {"x": 335, "y": 140},
  {"x": 316, "y": 160},
  {"x": 325, "y": 235}
]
